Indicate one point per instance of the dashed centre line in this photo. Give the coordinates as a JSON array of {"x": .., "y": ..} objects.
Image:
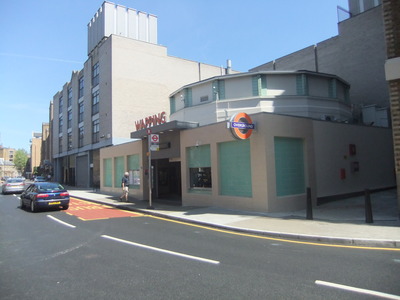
[
  {"x": 357, "y": 290},
  {"x": 215, "y": 262}
]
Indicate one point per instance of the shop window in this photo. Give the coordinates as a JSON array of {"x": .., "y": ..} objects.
[
  {"x": 119, "y": 170},
  {"x": 199, "y": 163},
  {"x": 107, "y": 172},
  {"x": 200, "y": 177},
  {"x": 134, "y": 171}
]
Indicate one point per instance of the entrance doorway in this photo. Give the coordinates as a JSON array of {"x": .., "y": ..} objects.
[{"x": 167, "y": 180}]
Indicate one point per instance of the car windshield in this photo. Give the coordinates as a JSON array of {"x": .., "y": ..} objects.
[
  {"x": 49, "y": 187},
  {"x": 14, "y": 180}
]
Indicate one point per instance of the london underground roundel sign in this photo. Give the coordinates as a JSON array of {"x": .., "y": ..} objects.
[{"x": 241, "y": 126}]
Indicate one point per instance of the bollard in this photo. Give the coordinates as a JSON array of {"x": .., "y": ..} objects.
[
  {"x": 368, "y": 207},
  {"x": 309, "y": 205}
]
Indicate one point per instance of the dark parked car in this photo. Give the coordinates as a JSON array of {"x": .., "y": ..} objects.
[
  {"x": 13, "y": 185},
  {"x": 45, "y": 195}
]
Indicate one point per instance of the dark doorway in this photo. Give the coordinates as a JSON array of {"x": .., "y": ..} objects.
[{"x": 167, "y": 180}]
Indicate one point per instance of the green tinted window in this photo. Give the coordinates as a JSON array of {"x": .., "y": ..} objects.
[
  {"x": 289, "y": 166},
  {"x": 235, "y": 168},
  {"x": 107, "y": 172}
]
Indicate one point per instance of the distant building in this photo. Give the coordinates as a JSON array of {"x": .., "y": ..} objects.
[
  {"x": 7, "y": 154},
  {"x": 357, "y": 55},
  {"x": 35, "y": 150},
  {"x": 7, "y": 167},
  {"x": 45, "y": 159},
  {"x": 391, "y": 9},
  {"x": 126, "y": 79}
]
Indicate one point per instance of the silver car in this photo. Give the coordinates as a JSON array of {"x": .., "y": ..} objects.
[{"x": 13, "y": 185}]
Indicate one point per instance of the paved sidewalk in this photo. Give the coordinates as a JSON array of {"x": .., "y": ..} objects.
[{"x": 339, "y": 222}]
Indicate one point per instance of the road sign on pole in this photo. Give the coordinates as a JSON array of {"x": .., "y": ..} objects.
[
  {"x": 154, "y": 142},
  {"x": 150, "y": 173}
]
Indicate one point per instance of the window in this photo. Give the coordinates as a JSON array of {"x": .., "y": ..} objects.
[
  {"x": 95, "y": 102},
  {"x": 119, "y": 170},
  {"x": 81, "y": 85},
  {"x": 69, "y": 121},
  {"x": 69, "y": 140},
  {"x": 235, "y": 168},
  {"x": 81, "y": 135},
  {"x": 69, "y": 96},
  {"x": 218, "y": 87},
  {"x": 61, "y": 103},
  {"x": 188, "y": 97},
  {"x": 289, "y": 166},
  {"x": 199, "y": 161},
  {"x": 95, "y": 131},
  {"x": 259, "y": 85},
  {"x": 95, "y": 74},
  {"x": 200, "y": 177},
  {"x": 302, "y": 85},
  {"x": 80, "y": 112},
  {"x": 172, "y": 105},
  {"x": 332, "y": 88},
  {"x": 60, "y": 124},
  {"x": 203, "y": 98},
  {"x": 107, "y": 172},
  {"x": 134, "y": 170},
  {"x": 60, "y": 141}
]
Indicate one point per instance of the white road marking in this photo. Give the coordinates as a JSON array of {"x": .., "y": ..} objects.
[
  {"x": 356, "y": 290},
  {"x": 161, "y": 250},
  {"x": 61, "y": 222}
]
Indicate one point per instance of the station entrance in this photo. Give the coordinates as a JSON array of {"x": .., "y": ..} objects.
[{"x": 166, "y": 184}]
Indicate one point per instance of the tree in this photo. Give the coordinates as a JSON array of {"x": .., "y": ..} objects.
[{"x": 20, "y": 158}]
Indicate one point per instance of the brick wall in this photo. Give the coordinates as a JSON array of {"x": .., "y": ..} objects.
[{"x": 391, "y": 17}]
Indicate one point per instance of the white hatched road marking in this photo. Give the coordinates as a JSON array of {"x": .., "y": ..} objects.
[
  {"x": 357, "y": 290},
  {"x": 162, "y": 250},
  {"x": 61, "y": 222}
]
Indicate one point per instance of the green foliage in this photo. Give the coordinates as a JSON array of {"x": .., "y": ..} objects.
[{"x": 20, "y": 159}]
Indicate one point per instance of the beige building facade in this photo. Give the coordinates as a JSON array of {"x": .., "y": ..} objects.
[
  {"x": 269, "y": 172},
  {"x": 202, "y": 160},
  {"x": 125, "y": 79}
]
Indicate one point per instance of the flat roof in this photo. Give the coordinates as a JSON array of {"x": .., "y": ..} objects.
[{"x": 169, "y": 126}]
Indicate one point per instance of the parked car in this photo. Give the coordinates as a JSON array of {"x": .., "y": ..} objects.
[
  {"x": 45, "y": 195},
  {"x": 40, "y": 179},
  {"x": 13, "y": 185}
]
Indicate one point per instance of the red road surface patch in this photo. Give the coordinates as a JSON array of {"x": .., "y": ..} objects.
[{"x": 88, "y": 211}]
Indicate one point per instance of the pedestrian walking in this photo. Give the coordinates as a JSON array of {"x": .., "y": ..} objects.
[{"x": 125, "y": 187}]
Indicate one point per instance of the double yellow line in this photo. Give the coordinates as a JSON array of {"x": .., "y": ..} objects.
[{"x": 274, "y": 239}]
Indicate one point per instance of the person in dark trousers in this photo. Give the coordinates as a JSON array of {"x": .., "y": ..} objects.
[{"x": 125, "y": 187}]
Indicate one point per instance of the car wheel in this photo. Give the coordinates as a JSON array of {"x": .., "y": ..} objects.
[
  {"x": 33, "y": 206},
  {"x": 65, "y": 207}
]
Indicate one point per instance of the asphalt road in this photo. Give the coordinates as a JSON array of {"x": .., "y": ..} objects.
[{"x": 55, "y": 255}]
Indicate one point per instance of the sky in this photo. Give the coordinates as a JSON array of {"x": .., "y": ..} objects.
[{"x": 43, "y": 41}]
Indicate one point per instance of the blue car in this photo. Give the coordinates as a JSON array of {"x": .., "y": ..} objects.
[{"x": 45, "y": 195}]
